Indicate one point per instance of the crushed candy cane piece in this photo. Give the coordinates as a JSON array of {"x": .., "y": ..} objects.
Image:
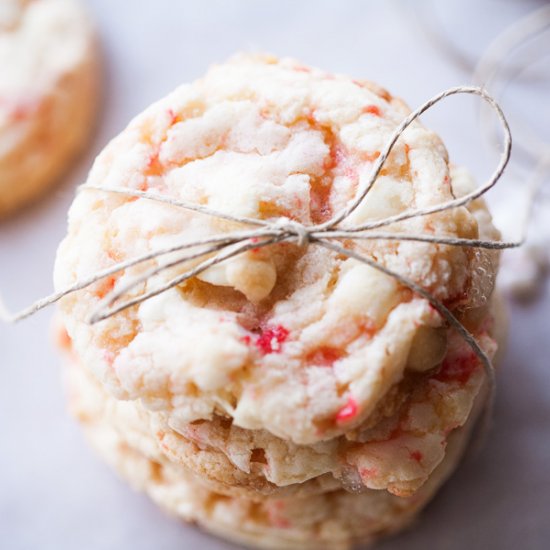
[
  {"x": 348, "y": 411},
  {"x": 271, "y": 338}
]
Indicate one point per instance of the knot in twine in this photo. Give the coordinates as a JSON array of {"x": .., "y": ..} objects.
[
  {"x": 219, "y": 248},
  {"x": 292, "y": 228}
]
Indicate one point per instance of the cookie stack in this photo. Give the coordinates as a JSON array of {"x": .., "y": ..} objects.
[{"x": 289, "y": 396}]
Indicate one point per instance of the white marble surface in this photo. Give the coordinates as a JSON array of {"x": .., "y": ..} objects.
[{"x": 54, "y": 493}]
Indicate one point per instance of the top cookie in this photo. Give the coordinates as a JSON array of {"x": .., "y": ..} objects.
[
  {"x": 48, "y": 93},
  {"x": 295, "y": 340}
]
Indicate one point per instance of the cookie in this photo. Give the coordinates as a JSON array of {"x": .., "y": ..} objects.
[
  {"x": 298, "y": 342},
  {"x": 48, "y": 94},
  {"x": 335, "y": 519}
]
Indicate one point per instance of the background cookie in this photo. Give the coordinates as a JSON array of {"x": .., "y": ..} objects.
[{"x": 48, "y": 94}]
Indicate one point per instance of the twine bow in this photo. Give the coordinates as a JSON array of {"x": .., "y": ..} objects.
[{"x": 219, "y": 248}]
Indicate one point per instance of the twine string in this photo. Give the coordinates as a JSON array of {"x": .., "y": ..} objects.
[
  {"x": 492, "y": 72},
  {"x": 103, "y": 312},
  {"x": 440, "y": 308},
  {"x": 174, "y": 202},
  {"x": 380, "y": 161},
  {"x": 7, "y": 317},
  {"x": 449, "y": 241},
  {"x": 524, "y": 39},
  {"x": 425, "y": 15}
]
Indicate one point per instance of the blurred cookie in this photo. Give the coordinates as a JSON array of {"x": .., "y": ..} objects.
[{"x": 48, "y": 94}]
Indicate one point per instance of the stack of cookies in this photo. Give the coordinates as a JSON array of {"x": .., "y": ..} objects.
[{"x": 289, "y": 396}]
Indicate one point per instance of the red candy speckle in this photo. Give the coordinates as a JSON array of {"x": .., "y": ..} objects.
[
  {"x": 271, "y": 338},
  {"x": 348, "y": 411},
  {"x": 255, "y": 240},
  {"x": 372, "y": 110},
  {"x": 416, "y": 455},
  {"x": 458, "y": 369}
]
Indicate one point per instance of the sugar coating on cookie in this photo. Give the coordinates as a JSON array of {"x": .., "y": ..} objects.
[
  {"x": 296, "y": 341},
  {"x": 48, "y": 93}
]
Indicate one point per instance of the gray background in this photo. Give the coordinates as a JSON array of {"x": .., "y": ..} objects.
[{"x": 54, "y": 493}]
